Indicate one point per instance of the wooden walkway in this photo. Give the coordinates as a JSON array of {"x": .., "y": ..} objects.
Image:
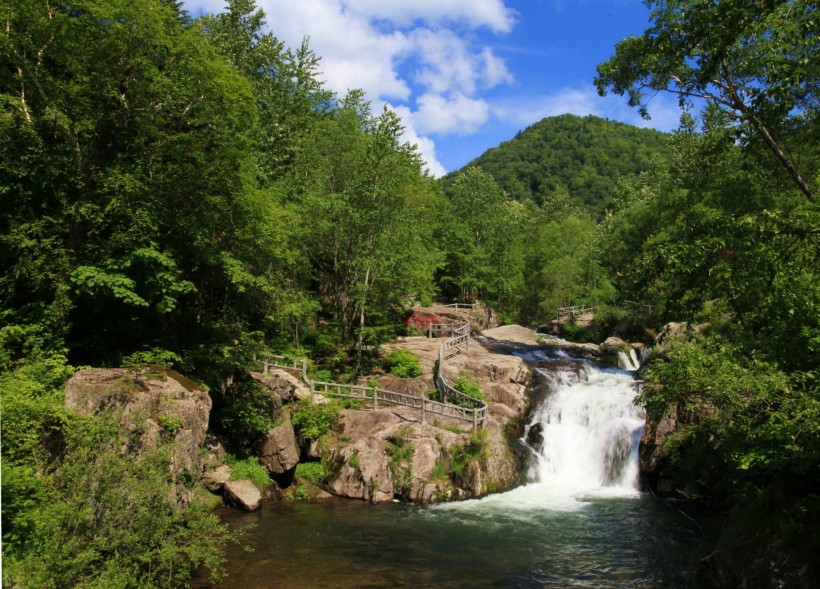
[{"x": 454, "y": 405}]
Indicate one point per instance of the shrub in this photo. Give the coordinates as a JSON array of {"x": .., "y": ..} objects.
[
  {"x": 312, "y": 420},
  {"x": 474, "y": 449},
  {"x": 467, "y": 385},
  {"x": 248, "y": 468},
  {"x": 56, "y": 465},
  {"x": 403, "y": 364},
  {"x": 312, "y": 472}
]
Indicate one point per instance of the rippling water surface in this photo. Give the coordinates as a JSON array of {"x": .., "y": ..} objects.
[{"x": 605, "y": 542}]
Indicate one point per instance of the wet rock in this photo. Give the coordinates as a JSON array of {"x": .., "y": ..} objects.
[
  {"x": 242, "y": 495},
  {"x": 535, "y": 436}
]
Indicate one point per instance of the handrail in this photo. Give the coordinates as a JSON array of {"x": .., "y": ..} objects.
[
  {"x": 574, "y": 311},
  {"x": 476, "y": 407},
  {"x": 469, "y": 409},
  {"x": 471, "y": 306}
]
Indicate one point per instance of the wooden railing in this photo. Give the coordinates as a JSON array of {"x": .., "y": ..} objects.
[
  {"x": 574, "y": 311},
  {"x": 475, "y": 408},
  {"x": 457, "y": 306},
  {"x": 465, "y": 408}
]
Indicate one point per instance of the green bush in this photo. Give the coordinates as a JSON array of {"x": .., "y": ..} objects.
[
  {"x": 248, "y": 468},
  {"x": 467, "y": 385},
  {"x": 403, "y": 364},
  {"x": 312, "y": 420},
  {"x": 312, "y": 472},
  {"x": 78, "y": 511},
  {"x": 474, "y": 449}
]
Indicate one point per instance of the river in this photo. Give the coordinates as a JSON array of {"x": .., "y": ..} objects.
[{"x": 582, "y": 521}]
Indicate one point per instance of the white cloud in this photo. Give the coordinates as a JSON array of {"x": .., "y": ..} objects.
[
  {"x": 447, "y": 64},
  {"x": 458, "y": 114},
  {"x": 418, "y": 52}
]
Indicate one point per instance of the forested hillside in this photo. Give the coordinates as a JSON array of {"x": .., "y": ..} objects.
[{"x": 584, "y": 156}]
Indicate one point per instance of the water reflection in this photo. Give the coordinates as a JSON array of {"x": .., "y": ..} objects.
[{"x": 611, "y": 542}]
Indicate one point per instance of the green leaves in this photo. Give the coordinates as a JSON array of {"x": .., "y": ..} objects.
[
  {"x": 754, "y": 60},
  {"x": 758, "y": 421},
  {"x": 403, "y": 363}
]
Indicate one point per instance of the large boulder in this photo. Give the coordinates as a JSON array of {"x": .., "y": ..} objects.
[
  {"x": 242, "y": 495},
  {"x": 382, "y": 455},
  {"x": 278, "y": 450},
  {"x": 282, "y": 385},
  {"x": 154, "y": 406}
]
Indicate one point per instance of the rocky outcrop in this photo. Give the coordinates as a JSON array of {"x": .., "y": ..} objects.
[
  {"x": 242, "y": 495},
  {"x": 278, "y": 450},
  {"x": 154, "y": 406},
  {"x": 283, "y": 386},
  {"x": 214, "y": 480},
  {"x": 386, "y": 454},
  {"x": 480, "y": 318},
  {"x": 555, "y": 326},
  {"x": 379, "y": 456}
]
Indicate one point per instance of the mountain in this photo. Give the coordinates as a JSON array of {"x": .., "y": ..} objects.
[{"x": 585, "y": 155}]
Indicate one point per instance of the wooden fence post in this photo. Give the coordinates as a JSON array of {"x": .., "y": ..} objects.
[
  {"x": 475, "y": 418},
  {"x": 375, "y": 398}
]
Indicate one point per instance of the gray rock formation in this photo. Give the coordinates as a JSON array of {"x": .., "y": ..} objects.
[
  {"x": 154, "y": 406},
  {"x": 367, "y": 463},
  {"x": 242, "y": 495},
  {"x": 214, "y": 480},
  {"x": 278, "y": 450}
]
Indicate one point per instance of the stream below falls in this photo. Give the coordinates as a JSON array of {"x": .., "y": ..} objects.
[{"x": 582, "y": 521}]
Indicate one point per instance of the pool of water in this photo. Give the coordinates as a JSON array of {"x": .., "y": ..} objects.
[{"x": 601, "y": 542}]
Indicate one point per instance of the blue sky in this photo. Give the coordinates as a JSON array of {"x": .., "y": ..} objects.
[{"x": 466, "y": 75}]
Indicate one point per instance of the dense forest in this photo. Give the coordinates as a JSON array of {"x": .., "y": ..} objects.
[
  {"x": 185, "y": 192},
  {"x": 584, "y": 156}
]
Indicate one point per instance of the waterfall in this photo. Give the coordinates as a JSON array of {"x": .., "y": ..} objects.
[
  {"x": 630, "y": 361},
  {"x": 584, "y": 437},
  {"x": 589, "y": 432}
]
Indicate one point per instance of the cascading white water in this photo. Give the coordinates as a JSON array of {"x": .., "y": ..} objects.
[
  {"x": 589, "y": 430},
  {"x": 630, "y": 361}
]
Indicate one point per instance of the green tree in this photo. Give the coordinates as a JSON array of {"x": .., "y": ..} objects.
[
  {"x": 131, "y": 217},
  {"x": 483, "y": 240},
  {"x": 755, "y": 60},
  {"x": 367, "y": 208}
]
